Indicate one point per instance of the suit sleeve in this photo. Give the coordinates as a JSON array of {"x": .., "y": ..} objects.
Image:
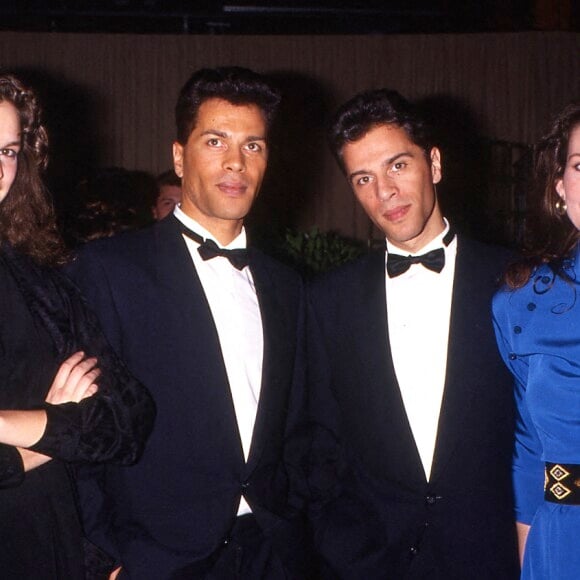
[
  {"x": 344, "y": 525},
  {"x": 325, "y": 460},
  {"x": 296, "y": 432},
  {"x": 111, "y": 426},
  {"x": 528, "y": 466}
]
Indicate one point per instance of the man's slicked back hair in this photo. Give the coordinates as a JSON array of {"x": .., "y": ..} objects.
[
  {"x": 371, "y": 109},
  {"x": 236, "y": 85}
]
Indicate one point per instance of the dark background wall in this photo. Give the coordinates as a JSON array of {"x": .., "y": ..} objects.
[{"x": 109, "y": 100}]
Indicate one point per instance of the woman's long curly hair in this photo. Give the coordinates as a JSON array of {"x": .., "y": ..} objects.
[
  {"x": 550, "y": 235},
  {"x": 27, "y": 218}
]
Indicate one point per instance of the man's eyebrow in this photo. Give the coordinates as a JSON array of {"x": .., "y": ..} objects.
[
  {"x": 355, "y": 173},
  {"x": 215, "y": 132},
  {"x": 383, "y": 164},
  {"x": 225, "y": 135},
  {"x": 397, "y": 156}
]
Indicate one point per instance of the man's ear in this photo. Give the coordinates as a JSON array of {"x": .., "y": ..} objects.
[
  {"x": 178, "y": 158},
  {"x": 436, "y": 173}
]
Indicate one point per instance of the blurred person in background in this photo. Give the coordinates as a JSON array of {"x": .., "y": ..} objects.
[
  {"x": 169, "y": 195},
  {"x": 109, "y": 201}
]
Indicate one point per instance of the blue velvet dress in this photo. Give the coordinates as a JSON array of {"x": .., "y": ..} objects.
[{"x": 538, "y": 333}]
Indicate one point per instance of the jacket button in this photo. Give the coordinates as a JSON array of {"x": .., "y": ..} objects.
[
  {"x": 431, "y": 499},
  {"x": 245, "y": 485},
  {"x": 413, "y": 551},
  {"x": 512, "y": 356},
  {"x": 518, "y": 329},
  {"x": 531, "y": 306}
]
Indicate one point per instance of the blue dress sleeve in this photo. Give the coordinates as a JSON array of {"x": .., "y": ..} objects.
[{"x": 528, "y": 465}]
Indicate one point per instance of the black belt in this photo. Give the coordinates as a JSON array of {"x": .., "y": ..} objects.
[{"x": 562, "y": 483}]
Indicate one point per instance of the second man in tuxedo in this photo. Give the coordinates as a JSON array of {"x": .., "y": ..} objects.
[{"x": 413, "y": 407}]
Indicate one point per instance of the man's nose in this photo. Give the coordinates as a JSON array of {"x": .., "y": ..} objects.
[
  {"x": 386, "y": 188},
  {"x": 234, "y": 160}
]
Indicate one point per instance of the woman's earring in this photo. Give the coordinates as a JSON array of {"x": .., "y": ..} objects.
[{"x": 561, "y": 206}]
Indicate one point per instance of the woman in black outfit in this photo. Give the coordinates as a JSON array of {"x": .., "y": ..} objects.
[{"x": 64, "y": 396}]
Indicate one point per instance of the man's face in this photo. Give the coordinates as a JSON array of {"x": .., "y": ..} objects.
[
  {"x": 394, "y": 182},
  {"x": 169, "y": 196},
  {"x": 222, "y": 165},
  {"x": 9, "y": 146}
]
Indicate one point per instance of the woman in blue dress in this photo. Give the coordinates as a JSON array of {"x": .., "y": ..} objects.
[{"x": 537, "y": 322}]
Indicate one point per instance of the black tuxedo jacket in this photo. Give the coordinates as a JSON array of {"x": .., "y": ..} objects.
[
  {"x": 175, "y": 508},
  {"x": 375, "y": 514}
]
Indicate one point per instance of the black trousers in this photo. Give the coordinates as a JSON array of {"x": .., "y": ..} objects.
[{"x": 246, "y": 554}]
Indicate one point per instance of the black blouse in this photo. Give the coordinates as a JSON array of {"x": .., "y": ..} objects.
[{"x": 43, "y": 320}]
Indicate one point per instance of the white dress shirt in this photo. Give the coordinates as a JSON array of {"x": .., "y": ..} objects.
[
  {"x": 419, "y": 311},
  {"x": 233, "y": 302}
]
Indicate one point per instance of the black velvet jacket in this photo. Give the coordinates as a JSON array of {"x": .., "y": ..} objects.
[{"x": 110, "y": 426}]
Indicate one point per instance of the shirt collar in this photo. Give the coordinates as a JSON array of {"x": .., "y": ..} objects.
[
  {"x": 436, "y": 242},
  {"x": 239, "y": 242}
]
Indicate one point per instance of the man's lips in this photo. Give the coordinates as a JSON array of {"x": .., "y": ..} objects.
[
  {"x": 232, "y": 187},
  {"x": 397, "y": 213}
]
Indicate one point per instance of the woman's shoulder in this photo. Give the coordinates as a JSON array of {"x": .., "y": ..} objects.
[
  {"x": 38, "y": 282},
  {"x": 508, "y": 298},
  {"x": 552, "y": 289}
]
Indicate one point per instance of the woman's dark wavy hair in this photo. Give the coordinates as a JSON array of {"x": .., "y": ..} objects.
[
  {"x": 27, "y": 218},
  {"x": 550, "y": 236},
  {"x": 237, "y": 85},
  {"x": 370, "y": 109}
]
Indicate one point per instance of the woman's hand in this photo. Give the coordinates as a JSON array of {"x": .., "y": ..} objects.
[
  {"x": 522, "y": 530},
  {"x": 74, "y": 381}
]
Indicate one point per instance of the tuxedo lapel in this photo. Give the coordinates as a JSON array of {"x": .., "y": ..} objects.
[
  {"x": 471, "y": 309},
  {"x": 381, "y": 408},
  {"x": 278, "y": 358},
  {"x": 187, "y": 313}
]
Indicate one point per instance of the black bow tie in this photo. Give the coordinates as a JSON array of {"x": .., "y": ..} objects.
[
  {"x": 433, "y": 260},
  {"x": 208, "y": 249}
]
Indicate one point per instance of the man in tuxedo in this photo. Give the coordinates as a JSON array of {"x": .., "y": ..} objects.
[
  {"x": 412, "y": 405},
  {"x": 214, "y": 330}
]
